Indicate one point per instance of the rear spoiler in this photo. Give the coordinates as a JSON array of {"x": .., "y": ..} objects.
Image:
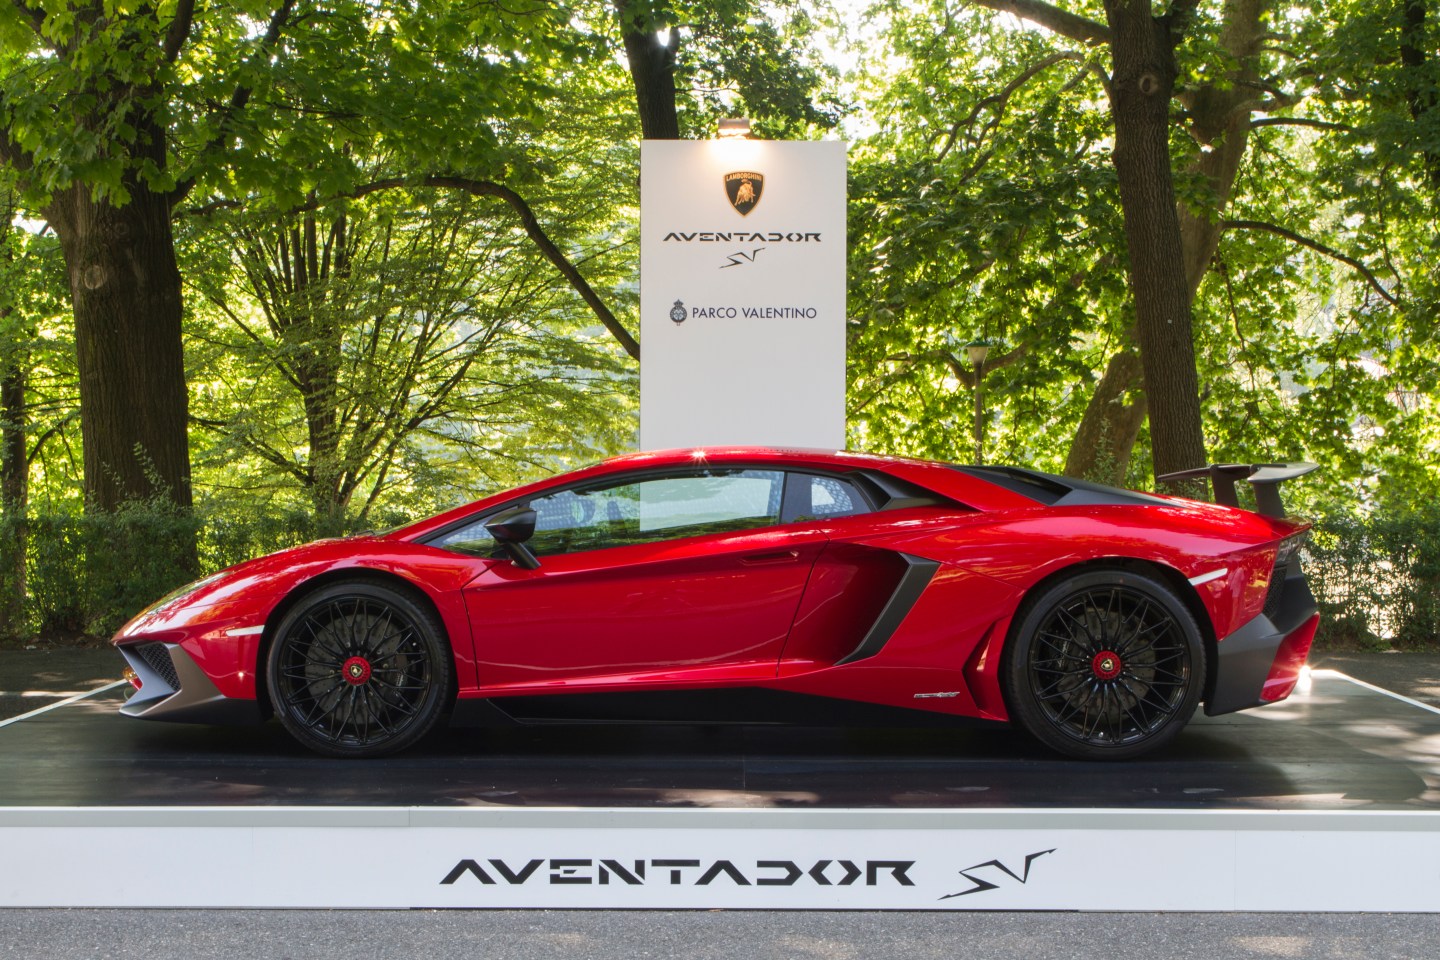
[{"x": 1265, "y": 478}]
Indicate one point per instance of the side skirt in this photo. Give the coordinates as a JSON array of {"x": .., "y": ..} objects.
[{"x": 731, "y": 705}]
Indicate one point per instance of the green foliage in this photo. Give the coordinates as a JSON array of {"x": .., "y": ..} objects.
[
  {"x": 1307, "y": 356},
  {"x": 396, "y": 347},
  {"x": 37, "y": 339},
  {"x": 255, "y": 103},
  {"x": 1378, "y": 578},
  {"x": 89, "y": 573},
  {"x": 983, "y": 206},
  {"x": 230, "y": 534},
  {"x": 741, "y": 59}
]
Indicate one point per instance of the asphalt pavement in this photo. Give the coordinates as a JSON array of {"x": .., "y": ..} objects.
[
  {"x": 31, "y": 679},
  {"x": 711, "y": 935}
]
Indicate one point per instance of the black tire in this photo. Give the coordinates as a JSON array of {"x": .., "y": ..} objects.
[
  {"x": 359, "y": 669},
  {"x": 1104, "y": 665}
]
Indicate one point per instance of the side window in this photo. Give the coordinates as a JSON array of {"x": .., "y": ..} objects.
[
  {"x": 471, "y": 539},
  {"x": 569, "y": 521},
  {"x": 640, "y": 511},
  {"x": 811, "y": 497}
]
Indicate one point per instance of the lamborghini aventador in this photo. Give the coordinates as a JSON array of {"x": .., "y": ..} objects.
[{"x": 755, "y": 585}]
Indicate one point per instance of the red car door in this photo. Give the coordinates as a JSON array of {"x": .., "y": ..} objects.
[{"x": 666, "y": 581}]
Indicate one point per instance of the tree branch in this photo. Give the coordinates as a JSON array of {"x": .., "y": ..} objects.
[
  {"x": 1318, "y": 247},
  {"x": 541, "y": 239},
  {"x": 537, "y": 234},
  {"x": 964, "y": 370},
  {"x": 485, "y": 188},
  {"x": 45, "y": 436},
  {"x": 239, "y": 98},
  {"x": 14, "y": 154},
  {"x": 1002, "y": 99},
  {"x": 179, "y": 30},
  {"x": 1299, "y": 122},
  {"x": 1077, "y": 28}
]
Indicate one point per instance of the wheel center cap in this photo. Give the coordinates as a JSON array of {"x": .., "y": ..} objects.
[
  {"x": 356, "y": 671},
  {"x": 1106, "y": 665}
]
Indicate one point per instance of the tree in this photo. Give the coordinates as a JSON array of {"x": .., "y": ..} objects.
[
  {"x": 37, "y": 405},
  {"x": 113, "y": 117},
  {"x": 985, "y": 205},
  {"x": 14, "y": 465},
  {"x": 982, "y": 207},
  {"x": 1142, "y": 82},
  {"x": 355, "y": 342}
]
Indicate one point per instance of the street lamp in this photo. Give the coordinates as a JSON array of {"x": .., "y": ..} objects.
[{"x": 976, "y": 351}]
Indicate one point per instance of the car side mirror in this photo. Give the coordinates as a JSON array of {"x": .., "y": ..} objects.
[{"x": 511, "y": 528}]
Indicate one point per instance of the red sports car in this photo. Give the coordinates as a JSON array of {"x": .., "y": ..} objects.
[{"x": 755, "y": 585}]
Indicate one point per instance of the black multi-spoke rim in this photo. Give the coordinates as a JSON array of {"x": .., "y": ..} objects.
[
  {"x": 1109, "y": 666},
  {"x": 354, "y": 672}
]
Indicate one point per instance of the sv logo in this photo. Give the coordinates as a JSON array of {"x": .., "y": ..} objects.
[{"x": 981, "y": 884}]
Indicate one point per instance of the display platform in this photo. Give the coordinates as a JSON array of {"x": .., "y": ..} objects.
[{"x": 1325, "y": 802}]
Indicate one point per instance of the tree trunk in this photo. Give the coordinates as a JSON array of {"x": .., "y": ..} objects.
[
  {"x": 14, "y": 468},
  {"x": 1420, "y": 94},
  {"x": 125, "y": 291},
  {"x": 14, "y": 484},
  {"x": 1220, "y": 116},
  {"x": 1220, "y": 122},
  {"x": 1106, "y": 436},
  {"x": 309, "y": 325},
  {"x": 298, "y": 273},
  {"x": 652, "y": 68},
  {"x": 1143, "y": 80}
]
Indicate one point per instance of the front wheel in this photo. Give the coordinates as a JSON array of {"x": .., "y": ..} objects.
[
  {"x": 359, "y": 669},
  {"x": 1105, "y": 664}
]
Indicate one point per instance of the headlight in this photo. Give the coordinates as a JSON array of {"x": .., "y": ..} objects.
[{"x": 181, "y": 593}]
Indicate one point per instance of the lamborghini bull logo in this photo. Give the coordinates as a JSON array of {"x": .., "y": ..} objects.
[{"x": 744, "y": 189}]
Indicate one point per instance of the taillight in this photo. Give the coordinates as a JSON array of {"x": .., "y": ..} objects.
[
  {"x": 129, "y": 674},
  {"x": 1288, "y": 548}
]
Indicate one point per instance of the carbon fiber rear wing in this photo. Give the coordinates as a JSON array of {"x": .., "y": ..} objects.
[{"x": 1265, "y": 478}]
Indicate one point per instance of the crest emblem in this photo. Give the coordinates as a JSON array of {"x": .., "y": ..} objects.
[
  {"x": 744, "y": 188},
  {"x": 677, "y": 312}
]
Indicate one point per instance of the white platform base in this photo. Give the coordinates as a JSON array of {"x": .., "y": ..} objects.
[{"x": 735, "y": 859}]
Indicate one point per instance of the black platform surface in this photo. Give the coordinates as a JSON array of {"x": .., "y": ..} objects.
[{"x": 1339, "y": 747}]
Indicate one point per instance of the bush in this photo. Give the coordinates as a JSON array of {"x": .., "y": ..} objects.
[
  {"x": 1378, "y": 578},
  {"x": 87, "y": 573}
]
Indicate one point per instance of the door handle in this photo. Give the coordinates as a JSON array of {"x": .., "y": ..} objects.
[{"x": 774, "y": 556}]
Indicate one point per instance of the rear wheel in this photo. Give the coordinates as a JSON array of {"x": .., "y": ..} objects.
[
  {"x": 359, "y": 669},
  {"x": 1105, "y": 664}
]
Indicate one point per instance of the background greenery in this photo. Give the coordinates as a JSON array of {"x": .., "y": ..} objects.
[{"x": 373, "y": 328}]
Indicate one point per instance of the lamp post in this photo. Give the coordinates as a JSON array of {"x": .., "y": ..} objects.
[{"x": 976, "y": 351}]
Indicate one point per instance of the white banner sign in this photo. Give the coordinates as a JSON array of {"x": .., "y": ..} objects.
[
  {"x": 742, "y": 293},
  {"x": 700, "y": 859}
]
